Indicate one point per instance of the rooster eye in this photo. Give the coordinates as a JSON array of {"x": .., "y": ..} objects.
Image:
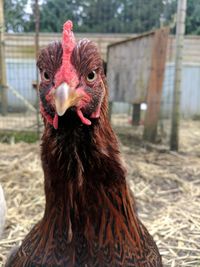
[
  {"x": 46, "y": 76},
  {"x": 91, "y": 76}
]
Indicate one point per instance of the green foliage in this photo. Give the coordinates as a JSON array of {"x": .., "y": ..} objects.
[
  {"x": 15, "y": 15},
  {"x": 16, "y": 137},
  {"x": 102, "y": 15},
  {"x": 114, "y": 16},
  {"x": 193, "y": 17},
  {"x": 88, "y": 16},
  {"x": 53, "y": 13},
  {"x": 170, "y": 10}
]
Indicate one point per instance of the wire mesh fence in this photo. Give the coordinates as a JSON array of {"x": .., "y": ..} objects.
[
  {"x": 190, "y": 93},
  {"x": 20, "y": 76},
  {"x": 163, "y": 181},
  {"x": 105, "y": 23}
]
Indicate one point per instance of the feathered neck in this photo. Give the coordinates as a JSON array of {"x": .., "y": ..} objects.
[
  {"x": 85, "y": 182},
  {"x": 80, "y": 154}
]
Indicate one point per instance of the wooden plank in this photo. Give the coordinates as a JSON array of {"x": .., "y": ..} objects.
[
  {"x": 134, "y": 38},
  {"x": 129, "y": 66},
  {"x": 155, "y": 84},
  {"x": 49, "y": 37},
  {"x": 22, "y": 45},
  {"x": 180, "y": 32},
  {"x": 3, "y": 87},
  {"x": 136, "y": 114},
  {"x": 191, "y": 52}
]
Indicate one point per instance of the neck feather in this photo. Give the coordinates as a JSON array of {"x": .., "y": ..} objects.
[
  {"x": 85, "y": 184},
  {"x": 77, "y": 155}
]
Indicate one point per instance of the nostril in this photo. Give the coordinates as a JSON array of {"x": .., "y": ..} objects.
[{"x": 78, "y": 85}]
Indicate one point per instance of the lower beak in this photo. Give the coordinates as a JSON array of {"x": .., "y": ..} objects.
[{"x": 65, "y": 97}]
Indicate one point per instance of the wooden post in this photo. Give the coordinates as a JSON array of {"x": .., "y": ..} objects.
[
  {"x": 37, "y": 27},
  {"x": 155, "y": 84},
  {"x": 136, "y": 115},
  {"x": 3, "y": 87},
  {"x": 180, "y": 31},
  {"x": 110, "y": 104}
]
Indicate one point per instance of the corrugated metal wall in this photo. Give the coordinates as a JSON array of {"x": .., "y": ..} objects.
[
  {"x": 21, "y": 73},
  {"x": 190, "y": 91}
]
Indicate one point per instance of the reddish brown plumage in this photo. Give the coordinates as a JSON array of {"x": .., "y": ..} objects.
[{"x": 89, "y": 218}]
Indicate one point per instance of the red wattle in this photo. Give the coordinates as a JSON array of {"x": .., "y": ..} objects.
[
  {"x": 82, "y": 118},
  {"x": 96, "y": 114},
  {"x": 55, "y": 121}
]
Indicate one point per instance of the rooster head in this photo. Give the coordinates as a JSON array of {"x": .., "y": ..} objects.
[{"x": 72, "y": 78}]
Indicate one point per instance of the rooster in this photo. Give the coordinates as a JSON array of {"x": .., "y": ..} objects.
[{"x": 89, "y": 220}]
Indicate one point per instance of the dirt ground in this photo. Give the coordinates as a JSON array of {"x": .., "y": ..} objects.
[{"x": 166, "y": 186}]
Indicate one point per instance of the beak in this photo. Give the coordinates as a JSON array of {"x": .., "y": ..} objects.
[{"x": 65, "y": 97}]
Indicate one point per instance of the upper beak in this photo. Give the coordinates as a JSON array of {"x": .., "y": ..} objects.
[{"x": 65, "y": 97}]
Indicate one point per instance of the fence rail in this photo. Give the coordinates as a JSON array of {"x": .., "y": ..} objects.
[
  {"x": 21, "y": 73},
  {"x": 23, "y": 45}
]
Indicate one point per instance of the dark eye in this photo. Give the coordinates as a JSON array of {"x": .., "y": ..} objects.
[
  {"x": 91, "y": 76},
  {"x": 46, "y": 76}
]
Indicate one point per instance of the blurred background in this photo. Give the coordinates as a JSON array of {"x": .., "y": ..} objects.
[
  {"x": 151, "y": 53},
  {"x": 30, "y": 25}
]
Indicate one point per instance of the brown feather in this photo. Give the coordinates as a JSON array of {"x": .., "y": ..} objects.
[{"x": 89, "y": 218}]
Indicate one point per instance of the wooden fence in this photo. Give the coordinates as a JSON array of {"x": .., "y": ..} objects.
[
  {"x": 21, "y": 71},
  {"x": 136, "y": 70},
  {"x": 20, "y": 46}
]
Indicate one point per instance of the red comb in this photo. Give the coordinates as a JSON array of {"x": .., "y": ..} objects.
[
  {"x": 67, "y": 72},
  {"x": 68, "y": 25},
  {"x": 68, "y": 40}
]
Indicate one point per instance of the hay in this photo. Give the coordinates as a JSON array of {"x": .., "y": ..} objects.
[
  {"x": 166, "y": 186},
  {"x": 21, "y": 178}
]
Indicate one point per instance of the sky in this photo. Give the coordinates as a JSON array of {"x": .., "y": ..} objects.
[{"x": 28, "y": 7}]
